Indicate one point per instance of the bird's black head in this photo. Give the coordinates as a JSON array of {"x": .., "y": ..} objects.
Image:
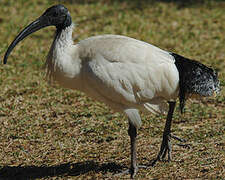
[{"x": 57, "y": 16}]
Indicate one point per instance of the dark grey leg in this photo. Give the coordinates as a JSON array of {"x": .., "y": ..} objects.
[
  {"x": 134, "y": 120},
  {"x": 132, "y": 131},
  {"x": 165, "y": 145}
]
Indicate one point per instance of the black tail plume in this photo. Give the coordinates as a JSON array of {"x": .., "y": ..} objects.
[{"x": 195, "y": 78}]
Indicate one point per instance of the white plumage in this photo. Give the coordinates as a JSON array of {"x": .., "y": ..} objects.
[
  {"x": 120, "y": 71},
  {"x": 127, "y": 74}
]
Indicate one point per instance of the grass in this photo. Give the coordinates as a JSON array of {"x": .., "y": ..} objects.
[{"x": 54, "y": 133}]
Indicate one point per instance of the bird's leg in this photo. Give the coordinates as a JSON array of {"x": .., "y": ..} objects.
[
  {"x": 132, "y": 131},
  {"x": 165, "y": 145},
  {"x": 134, "y": 123}
]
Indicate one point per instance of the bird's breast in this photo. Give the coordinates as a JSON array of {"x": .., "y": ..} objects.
[{"x": 65, "y": 69}]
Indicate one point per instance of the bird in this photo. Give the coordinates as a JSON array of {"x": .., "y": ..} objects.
[{"x": 126, "y": 74}]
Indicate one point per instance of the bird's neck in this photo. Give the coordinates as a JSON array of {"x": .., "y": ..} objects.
[
  {"x": 62, "y": 41},
  {"x": 60, "y": 57},
  {"x": 63, "y": 38}
]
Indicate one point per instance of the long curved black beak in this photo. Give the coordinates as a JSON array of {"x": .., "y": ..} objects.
[{"x": 38, "y": 24}]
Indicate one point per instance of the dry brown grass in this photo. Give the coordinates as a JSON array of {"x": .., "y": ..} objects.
[{"x": 55, "y": 133}]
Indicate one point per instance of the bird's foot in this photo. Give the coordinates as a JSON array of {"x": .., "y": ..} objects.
[
  {"x": 180, "y": 140},
  {"x": 132, "y": 171},
  {"x": 166, "y": 147}
]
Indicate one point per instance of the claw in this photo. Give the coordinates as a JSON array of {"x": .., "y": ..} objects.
[
  {"x": 188, "y": 146},
  {"x": 177, "y": 138},
  {"x": 167, "y": 149},
  {"x": 181, "y": 140}
]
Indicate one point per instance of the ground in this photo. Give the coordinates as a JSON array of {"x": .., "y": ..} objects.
[{"x": 54, "y": 133}]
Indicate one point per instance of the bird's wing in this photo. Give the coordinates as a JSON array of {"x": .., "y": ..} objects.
[
  {"x": 129, "y": 71},
  {"x": 116, "y": 48}
]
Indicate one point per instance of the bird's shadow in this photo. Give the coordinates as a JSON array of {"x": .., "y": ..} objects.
[{"x": 62, "y": 170}]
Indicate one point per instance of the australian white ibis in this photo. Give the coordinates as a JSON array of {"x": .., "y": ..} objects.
[{"x": 127, "y": 74}]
